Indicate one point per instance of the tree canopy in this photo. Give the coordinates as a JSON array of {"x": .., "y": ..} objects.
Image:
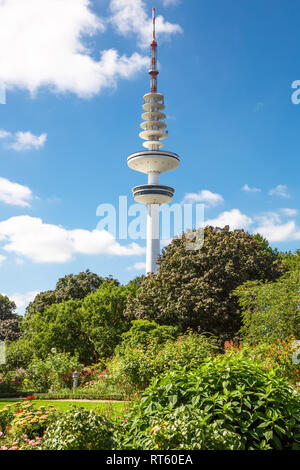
[
  {"x": 90, "y": 327},
  {"x": 271, "y": 310},
  {"x": 70, "y": 287},
  {"x": 195, "y": 288}
]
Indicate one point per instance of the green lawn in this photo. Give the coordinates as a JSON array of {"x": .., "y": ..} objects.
[{"x": 114, "y": 407}]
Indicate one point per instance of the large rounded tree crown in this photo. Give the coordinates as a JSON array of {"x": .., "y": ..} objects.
[{"x": 195, "y": 288}]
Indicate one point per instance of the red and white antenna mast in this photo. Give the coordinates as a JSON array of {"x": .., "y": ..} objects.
[{"x": 153, "y": 72}]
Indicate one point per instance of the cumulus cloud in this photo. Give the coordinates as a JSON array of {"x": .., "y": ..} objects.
[
  {"x": 42, "y": 45},
  {"x": 271, "y": 227},
  {"x": 137, "y": 267},
  {"x": 14, "y": 194},
  {"x": 23, "y": 140},
  {"x": 130, "y": 17},
  {"x": 27, "y": 141},
  {"x": 281, "y": 190},
  {"x": 289, "y": 212},
  {"x": 248, "y": 189},
  {"x": 31, "y": 238},
  {"x": 205, "y": 196},
  {"x": 234, "y": 218}
]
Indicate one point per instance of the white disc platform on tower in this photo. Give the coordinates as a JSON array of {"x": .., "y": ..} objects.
[{"x": 152, "y": 161}]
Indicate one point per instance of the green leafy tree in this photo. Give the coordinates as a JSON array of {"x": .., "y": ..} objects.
[
  {"x": 70, "y": 287},
  {"x": 103, "y": 316},
  {"x": 90, "y": 327},
  {"x": 9, "y": 320},
  {"x": 195, "y": 288},
  {"x": 271, "y": 310},
  {"x": 143, "y": 331}
]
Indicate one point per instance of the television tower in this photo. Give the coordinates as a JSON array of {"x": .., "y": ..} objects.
[{"x": 153, "y": 161}]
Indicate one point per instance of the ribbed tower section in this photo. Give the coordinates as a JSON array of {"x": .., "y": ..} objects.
[{"x": 153, "y": 161}]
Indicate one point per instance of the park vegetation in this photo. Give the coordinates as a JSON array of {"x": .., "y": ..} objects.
[{"x": 206, "y": 350}]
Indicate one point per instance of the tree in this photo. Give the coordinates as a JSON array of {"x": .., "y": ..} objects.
[
  {"x": 195, "y": 288},
  {"x": 271, "y": 310},
  {"x": 70, "y": 287},
  {"x": 9, "y": 320},
  {"x": 90, "y": 327},
  {"x": 103, "y": 316}
]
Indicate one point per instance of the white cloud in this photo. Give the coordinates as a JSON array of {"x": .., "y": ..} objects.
[
  {"x": 27, "y": 141},
  {"x": 2, "y": 259},
  {"x": 234, "y": 218},
  {"x": 39, "y": 242},
  {"x": 137, "y": 267},
  {"x": 271, "y": 227},
  {"x": 247, "y": 188},
  {"x": 4, "y": 134},
  {"x": 42, "y": 45},
  {"x": 22, "y": 300},
  {"x": 207, "y": 197},
  {"x": 277, "y": 232},
  {"x": 23, "y": 140},
  {"x": 130, "y": 17},
  {"x": 289, "y": 212},
  {"x": 280, "y": 190},
  {"x": 14, "y": 194}
]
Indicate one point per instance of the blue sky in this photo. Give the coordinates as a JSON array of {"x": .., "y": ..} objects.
[{"x": 75, "y": 72}]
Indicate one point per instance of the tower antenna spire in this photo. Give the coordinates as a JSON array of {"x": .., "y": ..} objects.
[{"x": 153, "y": 72}]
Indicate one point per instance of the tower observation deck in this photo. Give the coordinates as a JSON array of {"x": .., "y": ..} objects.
[{"x": 153, "y": 161}]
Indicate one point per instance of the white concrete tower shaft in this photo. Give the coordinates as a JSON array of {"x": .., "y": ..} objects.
[{"x": 153, "y": 161}]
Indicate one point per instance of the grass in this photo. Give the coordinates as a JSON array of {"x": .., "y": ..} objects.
[{"x": 112, "y": 407}]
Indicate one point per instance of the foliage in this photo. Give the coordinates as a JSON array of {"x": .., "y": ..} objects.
[
  {"x": 136, "y": 367},
  {"x": 48, "y": 374},
  {"x": 19, "y": 353},
  {"x": 103, "y": 320},
  {"x": 70, "y": 287},
  {"x": 251, "y": 407},
  {"x": 30, "y": 421},
  {"x": 143, "y": 331},
  {"x": 9, "y": 320},
  {"x": 271, "y": 310},
  {"x": 283, "y": 355},
  {"x": 195, "y": 287},
  {"x": 91, "y": 327},
  {"x": 79, "y": 429}
]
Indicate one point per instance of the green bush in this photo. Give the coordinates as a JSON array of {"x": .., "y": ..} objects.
[
  {"x": 48, "y": 374},
  {"x": 143, "y": 331},
  {"x": 139, "y": 364},
  {"x": 252, "y": 408},
  {"x": 79, "y": 429}
]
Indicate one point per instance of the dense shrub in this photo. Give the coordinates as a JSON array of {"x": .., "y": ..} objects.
[
  {"x": 138, "y": 365},
  {"x": 31, "y": 421},
  {"x": 79, "y": 429},
  {"x": 50, "y": 373},
  {"x": 237, "y": 398},
  {"x": 143, "y": 331},
  {"x": 282, "y": 355}
]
